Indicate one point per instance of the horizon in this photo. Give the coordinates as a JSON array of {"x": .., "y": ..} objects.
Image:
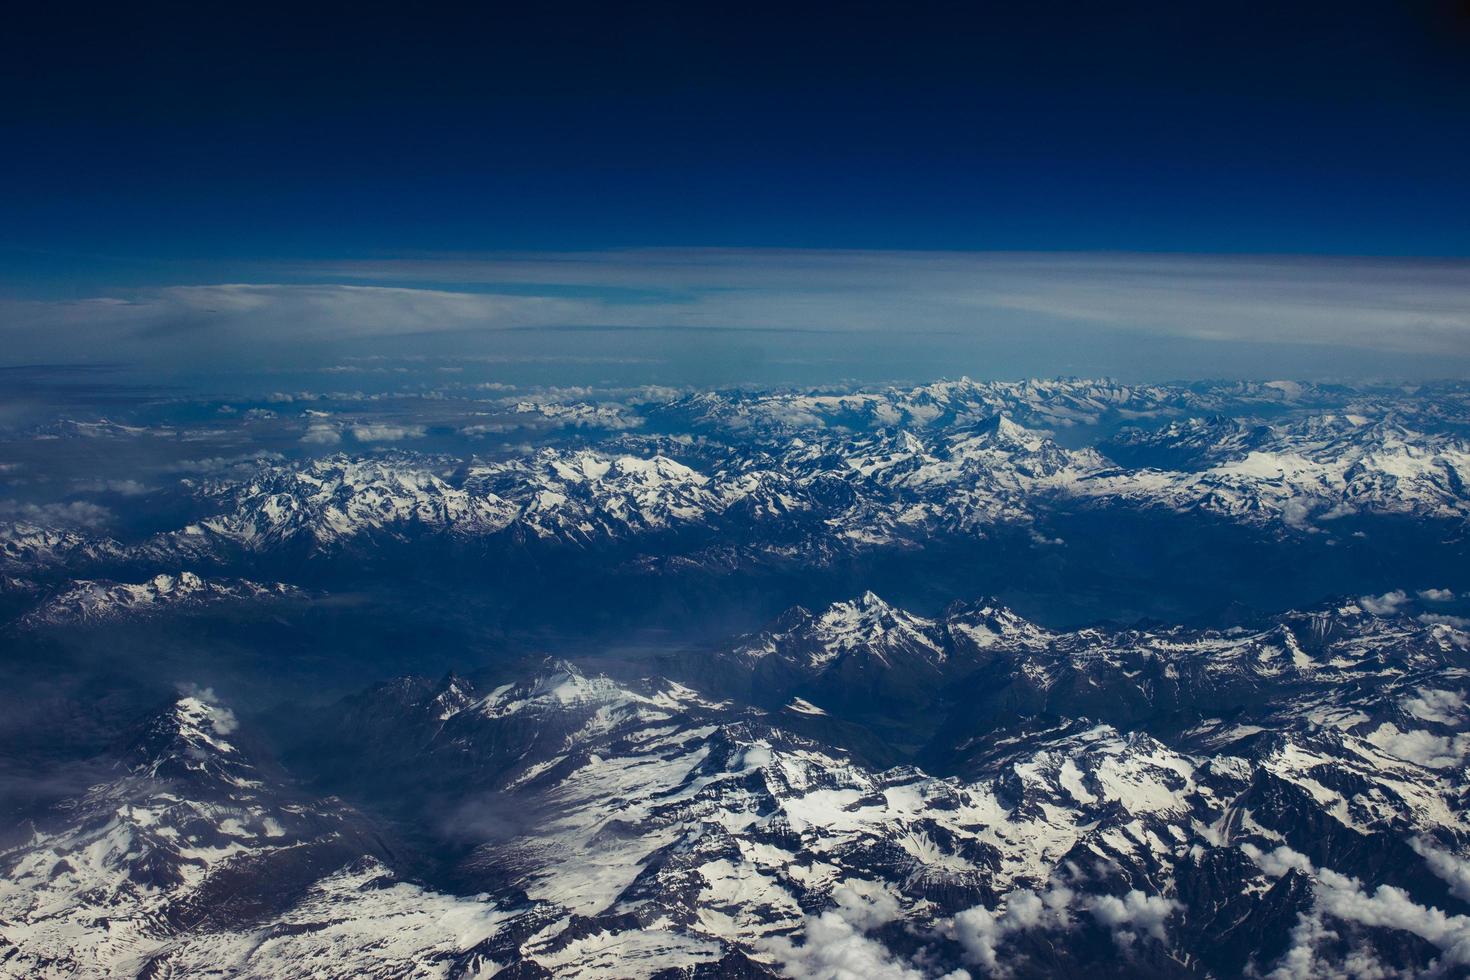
[{"x": 956, "y": 188}]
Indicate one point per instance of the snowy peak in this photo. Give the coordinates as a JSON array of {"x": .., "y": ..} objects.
[
  {"x": 454, "y": 695},
  {"x": 1002, "y": 430},
  {"x": 987, "y": 623},
  {"x": 587, "y": 467},
  {"x": 585, "y": 497},
  {"x": 1050, "y": 403},
  {"x": 870, "y": 470},
  {"x": 559, "y": 686},
  {"x": 187, "y": 841},
  {"x": 93, "y": 602},
  {"x": 28, "y": 546},
  {"x": 1300, "y": 474},
  {"x": 891, "y": 636},
  {"x": 192, "y": 741},
  {"x": 730, "y": 833},
  {"x": 865, "y": 627},
  {"x": 622, "y": 828},
  {"x": 868, "y": 621},
  {"x": 1099, "y": 769},
  {"x": 330, "y": 501}
]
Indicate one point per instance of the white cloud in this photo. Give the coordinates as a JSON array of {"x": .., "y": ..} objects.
[
  {"x": 758, "y": 757},
  {"x": 834, "y": 949},
  {"x": 1386, "y": 604},
  {"x": 1419, "y": 308},
  {"x": 1441, "y": 707},
  {"x": 1279, "y": 861},
  {"x": 1391, "y": 908},
  {"x": 1342, "y": 897},
  {"x": 1438, "y": 619},
  {"x": 321, "y": 434},
  {"x": 221, "y": 718},
  {"x": 1436, "y": 595},
  {"x": 980, "y": 931},
  {"x": 383, "y": 432},
  {"x": 1133, "y": 914},
  {"x": 1453, "y": 871},
  {"x": 1374, "y": 304},
  {"x": 124, "y": 488},
  {"x": 1304, "y": 960},
  {"x": 1297, "y": 513},
  {"x": 1425, "y": 748},
  {"x": 835, "y": 946},
  {"x": 1396, "y": 305},
  {"x": 222, "y": 464}
]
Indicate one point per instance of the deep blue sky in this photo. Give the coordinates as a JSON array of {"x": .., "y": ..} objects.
[
  {"x": 239, "y": 132},
  {"x": 1143, "y": 189}
]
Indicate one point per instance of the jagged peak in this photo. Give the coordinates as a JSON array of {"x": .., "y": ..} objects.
[
  {"x": 1001, "y": 430},
  {"x": 908, "y": 442},
  {"x": 192, "y": 738},
  {"x": 453, "y": 680},
  {"x": 868, "y": 620},
  {"x": 847, "y": 614},
  {"x": 452, "y": 694},
  {"x": 988, "y": 621},
  {"x": 791, "y": 619},
  {"x": 556, "y": 684},
  {"x": 1004, "y": 426},
  {"x": 200, "y": 717},
  {"x": 558, "y": 666}
]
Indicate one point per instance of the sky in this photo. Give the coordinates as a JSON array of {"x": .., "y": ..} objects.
[{"x": 1136, "y": 189}]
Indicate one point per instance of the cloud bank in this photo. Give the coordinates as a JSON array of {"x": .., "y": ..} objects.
[{"x": 1406, "y": 307}]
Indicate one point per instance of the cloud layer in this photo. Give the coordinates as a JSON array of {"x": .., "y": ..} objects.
[{"x": 1404, "y": 307}]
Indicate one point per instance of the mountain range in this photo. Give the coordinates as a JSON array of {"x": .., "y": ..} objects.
[
  {"x": 1037, "y": 679},
  {"x": 972, "y": 792}
]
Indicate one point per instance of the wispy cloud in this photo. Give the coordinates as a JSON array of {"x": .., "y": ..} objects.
[
  {"x": 1399, "y": 306},
  {"x": 1402, "y": 305},
  {"x": 76, "y": 513}
]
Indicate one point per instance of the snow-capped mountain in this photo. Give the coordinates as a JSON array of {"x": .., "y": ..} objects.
[
  {"x": 328, "y": 501},
  {"x": 585, "y": 496},
  {"x": 1057, "y": 842},
  {"x": 30, "y": 547},
  {"x": 893, "y": 489},
  {"x": 100, "y": 602},
  {"x": 189, "y": 836},
  {"x": 532, "y": 413},
  {"x": 1046, "y": 403},
  {"x": 1316, "y": 470},
  {"x": 641, "y": 767},
  {"x": 1165, "y": 803},
  {"x": 736, "y": 481}
]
